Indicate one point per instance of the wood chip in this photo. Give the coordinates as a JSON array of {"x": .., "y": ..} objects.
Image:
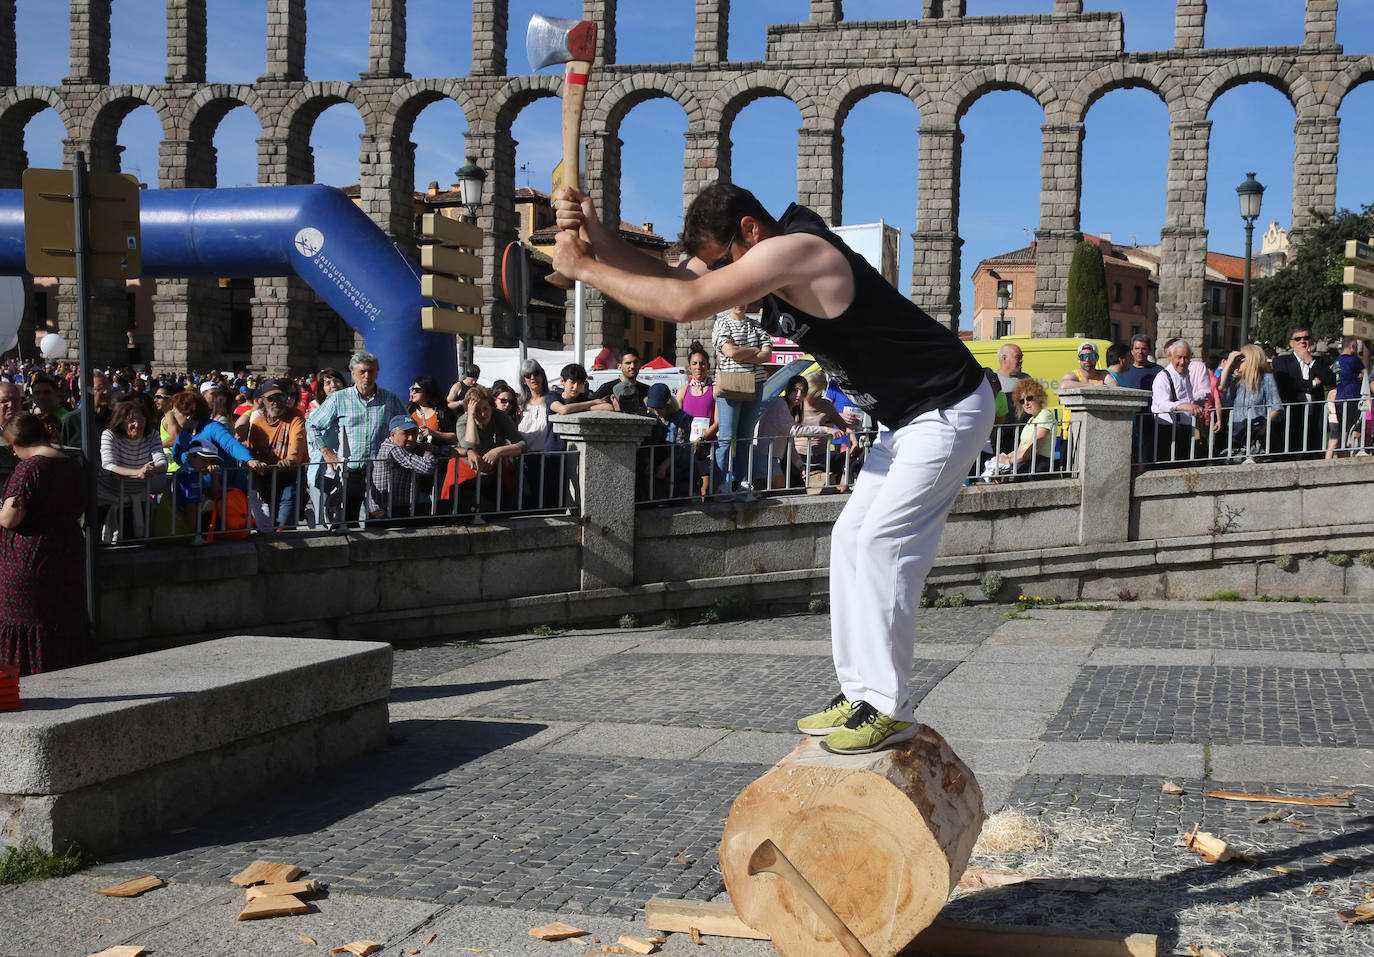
[
  {"x": 132, "y": 887},
  {"x": 1349, "y": 863},
  {"x": 556, "y": 931},
  {"x": 265, "y": 872},
  {"x": 683, "y": 860},
  {"x": 637, "y": 945},
  {"x": 122, "y": 950},
  {"x": 280, "y": 890},
  {"x": 975, "y": 877},
  {"x": 1319, "y": 891},
  {"x": 1211, "y": 848},
  {"x": 1362, "y": 914},
  {"x": 309, "y": 940},
  {"x": 1202, "y": 950},
  {"x": 282, "y": 906},
  {"x": 433, "y": 937},
  {"x": 1330, "y": 800},
  {"x": 360, "y": 948},
  {"x": 695, "y": 934},
  {"x": 1170, "y": 787}
]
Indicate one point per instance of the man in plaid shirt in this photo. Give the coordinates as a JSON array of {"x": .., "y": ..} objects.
[
  {"x": 389, "y": 493},
  {"x": 358, "y": 419}
]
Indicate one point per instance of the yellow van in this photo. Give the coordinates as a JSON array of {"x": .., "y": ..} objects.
[{"x": 1048, "y": 360}]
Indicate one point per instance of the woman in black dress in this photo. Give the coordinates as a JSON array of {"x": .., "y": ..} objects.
[{"x": 43, "y": 624}]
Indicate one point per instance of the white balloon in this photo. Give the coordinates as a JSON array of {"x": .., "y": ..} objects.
[
  {"x": 53, "y": 346},
  {"x": 13, "y": 341},
  {"x": 11, "y": 306}
]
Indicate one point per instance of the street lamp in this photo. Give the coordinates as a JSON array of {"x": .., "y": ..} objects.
[
  {"x": 1003, "y": 300},
  {"x": 1251, "y": 194},
  {"x": 471, "y": 179}
]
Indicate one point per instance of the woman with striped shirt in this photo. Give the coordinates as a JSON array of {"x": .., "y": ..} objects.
[{"x": 130, "y": 455}]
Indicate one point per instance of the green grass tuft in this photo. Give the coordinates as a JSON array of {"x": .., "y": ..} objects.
[{"x": 29, "y": 863}]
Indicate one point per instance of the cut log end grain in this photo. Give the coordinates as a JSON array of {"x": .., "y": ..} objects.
[
  {"x": 848, "y": 823},
  {"x": 556, "y": 931},
  {"x": 132, "y": 887}
]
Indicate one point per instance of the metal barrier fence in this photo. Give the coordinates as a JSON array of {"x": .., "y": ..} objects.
[
  {"x": 1296, "y": 430},
  {"x": 669, "y": 474},
  {"x": 230, "y": 503}
]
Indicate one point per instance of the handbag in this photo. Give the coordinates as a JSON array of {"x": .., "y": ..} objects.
[{"x": 735, "y": 385}]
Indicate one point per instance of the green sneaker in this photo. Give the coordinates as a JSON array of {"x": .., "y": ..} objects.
[
  {"x": 836, "y": 713},
  {"x": 868, "y": 730}
]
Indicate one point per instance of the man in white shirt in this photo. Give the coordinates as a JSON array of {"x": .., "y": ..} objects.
[{"x": 1176, "y": 406}]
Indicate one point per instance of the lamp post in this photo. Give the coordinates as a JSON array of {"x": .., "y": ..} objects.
[
  {"x": 1003, "y": 300},
  {"x": 1251, "y": 194},
  {"x": 471, "y": 179}
]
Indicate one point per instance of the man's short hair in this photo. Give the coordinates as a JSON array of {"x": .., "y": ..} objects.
[
  {"x": 471, "y": 371},
  {"x": 629, "y": 351},
  {"x": 715, "y": 214},
  {"x": 1142, "y": 337},
  {"x": 1299, "y": 328},
  {"x": 1116, "y": 352},
  {"x": 43, "y": 378},
  {"x": 1005, "y": 350},
  {"x": 573, "y": 373},
  {"x": 363, "y": 358},
  {"x": 1176, "y": 344}
]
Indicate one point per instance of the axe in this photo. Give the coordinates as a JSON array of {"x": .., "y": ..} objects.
[{"x": 551, "y": 40}]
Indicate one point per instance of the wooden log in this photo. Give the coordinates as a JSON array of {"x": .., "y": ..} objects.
[{"x": 881, "y": 838}]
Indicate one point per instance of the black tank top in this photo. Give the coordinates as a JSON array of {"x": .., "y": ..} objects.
[{"x": 884, "y": 351}]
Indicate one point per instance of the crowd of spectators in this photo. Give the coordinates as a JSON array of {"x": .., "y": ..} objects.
[{"x": 179, "y": 453}]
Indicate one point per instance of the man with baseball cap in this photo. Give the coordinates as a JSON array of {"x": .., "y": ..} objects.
[
  {"x": 665, "y": 456},
  {"x": 391, "y": 490},
  {"x": 1086, "y": 373},
  {"x": 276, "y": 436}
]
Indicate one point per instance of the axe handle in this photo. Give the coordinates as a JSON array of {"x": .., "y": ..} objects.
[{"x": 574, "y": 93}]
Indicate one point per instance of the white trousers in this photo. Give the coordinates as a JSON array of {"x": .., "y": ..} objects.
[{"x": 884, "y": 542}]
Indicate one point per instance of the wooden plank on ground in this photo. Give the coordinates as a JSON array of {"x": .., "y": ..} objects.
[
  {"x": 718, "y": 919},
  {"x": 132, "y": 887},
  {"x": 1330, "y": 800},
  {"x": 281, "y": 890},
  {"x": 280, "y": 906},
  {"x": 714, "y": 918},
  {"x": 265, "y": 872},
  {"x": 968, "y": 939},
  {"x": 121, "y": 950},
  {"x": 557, "y": 931}
]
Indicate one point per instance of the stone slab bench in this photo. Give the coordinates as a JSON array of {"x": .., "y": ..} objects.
[{"x": 107, "y": 752}]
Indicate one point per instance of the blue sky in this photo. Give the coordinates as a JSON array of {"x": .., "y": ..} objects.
[{"x": 1125, "y": 152}]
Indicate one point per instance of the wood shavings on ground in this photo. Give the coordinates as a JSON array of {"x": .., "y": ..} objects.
[
  {"x": 359, "y": 948},
  {"x": 556, "y": 931},
  {"x": 1012, "y": 830}
]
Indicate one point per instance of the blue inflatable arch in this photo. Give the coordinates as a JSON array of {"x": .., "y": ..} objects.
[{"x": 314, "y": 232}]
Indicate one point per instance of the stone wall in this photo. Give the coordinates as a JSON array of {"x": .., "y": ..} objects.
[
  {"x": 942, "y": 62},
  {"x": 1102, "y": 533}
]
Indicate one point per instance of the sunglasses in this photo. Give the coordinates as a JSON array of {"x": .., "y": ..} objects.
[
  {"x": 416, "y": 388},
  {"x": 1029, "y": 399},
  {"x": 724, "y": 259},
  {"x": 1302, "y": 338}
]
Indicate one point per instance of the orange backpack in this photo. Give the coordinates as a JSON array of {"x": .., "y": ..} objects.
[{"x": 237, "y": 521}]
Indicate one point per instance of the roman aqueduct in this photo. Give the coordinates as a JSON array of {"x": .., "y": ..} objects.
[{"x": 942, "y": 62}]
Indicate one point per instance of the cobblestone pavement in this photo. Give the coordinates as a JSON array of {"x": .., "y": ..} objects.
[{"x": 576, "y": 775}]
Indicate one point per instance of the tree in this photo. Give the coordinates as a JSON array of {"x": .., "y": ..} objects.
[
  {"x": 1308, "y": 289},
  {"x": 1088, "y": 313}
]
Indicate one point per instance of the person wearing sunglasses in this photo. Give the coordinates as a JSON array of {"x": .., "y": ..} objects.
[
  {"x": 897, "y": 364},
  {"x": 1303, "y": 377},
  {"x": 1035, "y": 450}
]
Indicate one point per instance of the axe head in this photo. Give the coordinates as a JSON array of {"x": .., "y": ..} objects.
[{"x": 551, "y": 40}]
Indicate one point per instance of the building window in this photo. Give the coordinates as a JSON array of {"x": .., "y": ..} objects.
[
  {"x": 1116, "y": 332},
  {"x": 1135, "y": 330},
  {"x": 40, "y": 309},
  {"x": 1140, "y": 295},
  {"x": 1218, "y": 302},
  {"x": 1215, "y": 339},
  {"x": 1236, "y": 298},
  {"x": 1116, "y": 292}
]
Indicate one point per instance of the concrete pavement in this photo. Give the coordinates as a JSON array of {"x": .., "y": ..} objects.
[{"x": 573, "y": 776}]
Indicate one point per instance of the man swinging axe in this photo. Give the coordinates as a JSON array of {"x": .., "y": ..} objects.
[{"x": 897, "y": 363}]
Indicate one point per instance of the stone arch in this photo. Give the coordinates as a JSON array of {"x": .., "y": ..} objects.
[
  {"x": 1124, "y": 76},
  {"x": 410, "y": 100},
  {"x": 298, "y": 116},
  {"x": 17, "y": 108},
  {"x": 107, "y": 113},
  {"x": 743, "y": 90},
  {"x": 970, "y": 88},
  {"x": 1283, "y": 75},
  {"x": 520, "y": 92},
  {"x": 204, "y": 111},
  {"x": 1357, "y": 74},
  {"x": 615, "y": 104},
  {"x": 855, "y": 87}
]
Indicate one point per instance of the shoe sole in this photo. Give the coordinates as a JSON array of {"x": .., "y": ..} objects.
[
  {"x": 896, "y": 737},
  {"x": 819, "y": 732}
]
